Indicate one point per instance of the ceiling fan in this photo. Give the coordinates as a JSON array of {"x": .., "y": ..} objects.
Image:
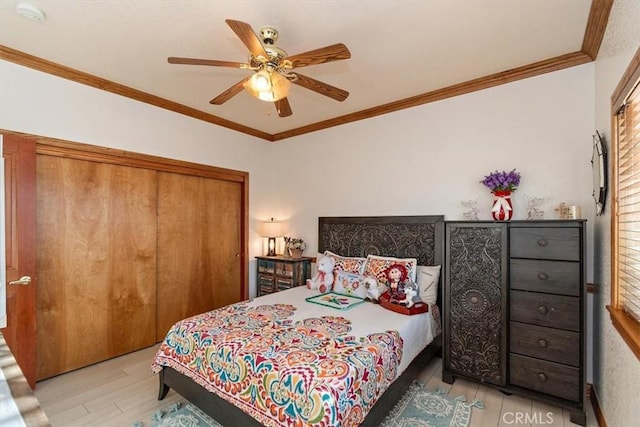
[{"x": 272, "y": 68}]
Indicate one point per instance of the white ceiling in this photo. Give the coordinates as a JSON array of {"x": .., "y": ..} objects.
[{"x": 398, "y": 48}]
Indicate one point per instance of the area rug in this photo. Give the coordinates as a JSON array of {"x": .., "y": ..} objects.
[
  {"x": 179, "y": 414},
  {"x": 418, "y": 407},
  {"x": 422, "y": 407}
]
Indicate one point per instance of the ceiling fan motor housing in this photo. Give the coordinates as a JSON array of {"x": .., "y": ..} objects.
[
  {"x": 276, "y": 55},
  {"x": 269, "y": 35}
]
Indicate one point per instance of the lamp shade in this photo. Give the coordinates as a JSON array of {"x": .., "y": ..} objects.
[
  {"x": 271, "y": 229},
  {"x": 268, "y": 86}
]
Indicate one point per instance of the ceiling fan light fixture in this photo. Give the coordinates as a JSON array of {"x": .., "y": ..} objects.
[
  {"x": 268, "y": 86},
  {"x": 261, "y": 81}
]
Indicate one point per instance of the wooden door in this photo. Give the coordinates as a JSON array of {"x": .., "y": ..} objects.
[
  {"x": 199, "y": 246},
  {"x": 96, "y": 230},
  {"x": 20, "y": 226}
]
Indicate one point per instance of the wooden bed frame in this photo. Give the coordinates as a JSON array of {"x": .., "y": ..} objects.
[{"x": 420, "y": 237}]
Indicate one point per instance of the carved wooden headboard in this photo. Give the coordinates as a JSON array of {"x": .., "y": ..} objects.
[{"x": 420, "y": 237}]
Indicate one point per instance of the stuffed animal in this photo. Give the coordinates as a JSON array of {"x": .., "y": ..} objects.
[
  {"x": 374, "y": 289},
  {"x": 323, "y": 279},
  {"x": 411, "y": 296}
]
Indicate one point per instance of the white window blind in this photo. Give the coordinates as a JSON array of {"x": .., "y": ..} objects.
[{"x": 628, "y": 220}]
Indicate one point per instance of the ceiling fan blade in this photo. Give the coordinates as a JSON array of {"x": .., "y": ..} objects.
[
  {"x": 335, "y": 52},
  {"x": 248, "y": 37},
  {"x": 283, "y": 108},
  {"x": 229, "y": 93},
  {"x": 213, "y": 62},
  {"x": 320, "y": 87}
]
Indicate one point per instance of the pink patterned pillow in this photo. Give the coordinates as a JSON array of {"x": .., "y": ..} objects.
[
  {"x": 376, "y": 266},
  {"x": 349, "y": 264}
]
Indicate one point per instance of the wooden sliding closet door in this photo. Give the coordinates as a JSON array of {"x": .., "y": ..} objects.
[
  {"x": 96, "y": 231},
  {"x": 200, "y": 224}
]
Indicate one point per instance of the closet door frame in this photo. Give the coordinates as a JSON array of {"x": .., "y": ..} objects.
[
  {"x": 61, "y": 149},
  {"x": 74, "y": 150}
]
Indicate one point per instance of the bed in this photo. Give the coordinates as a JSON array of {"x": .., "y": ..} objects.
[{"x": 281, "y": 360}]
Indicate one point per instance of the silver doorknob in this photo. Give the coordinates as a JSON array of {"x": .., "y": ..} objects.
[{"x": 24, "y": 280}]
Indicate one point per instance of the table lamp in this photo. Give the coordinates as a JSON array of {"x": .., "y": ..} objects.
[{"x": 271, "y": 229}]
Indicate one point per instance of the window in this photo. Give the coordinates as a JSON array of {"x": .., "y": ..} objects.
[{"x": 625, "y": 230}]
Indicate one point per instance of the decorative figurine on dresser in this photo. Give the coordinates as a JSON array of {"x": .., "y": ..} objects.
[
  {"x": 276, "y": 273},
  {"x": 514, "y": 308}
]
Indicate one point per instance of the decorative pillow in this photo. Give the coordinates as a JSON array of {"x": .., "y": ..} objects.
[
  {"x": 376, "y": 266},
  {"x": 427, "y": 278},
  {"x": 352, "y": 284},
  {"x": 349, "y": 264}
]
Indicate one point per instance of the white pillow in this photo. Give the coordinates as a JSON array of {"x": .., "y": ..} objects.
[
  {"x": 347, "y": 283},
  {"x": 427, "y": 278}
]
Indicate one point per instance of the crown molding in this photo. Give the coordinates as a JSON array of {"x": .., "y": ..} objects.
[{"x": 594, "y": 33}]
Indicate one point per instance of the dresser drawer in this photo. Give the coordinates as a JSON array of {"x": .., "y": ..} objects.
[
  {"x": 555, "y": 345},
  {"x": 284, "y": 269},
  {"x": 266, "y": 267},
  {"x": 556, "y": 311},
  {"x": 554, "y": 277},
  {"x": 545, "y": 243},
  {"x": 282, "y": 284},
  {"x": 265, "y": 284},
  {"x": 546, "y": 377}
]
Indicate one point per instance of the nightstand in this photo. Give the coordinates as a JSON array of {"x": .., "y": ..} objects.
[{"x": 277, "y": 273}]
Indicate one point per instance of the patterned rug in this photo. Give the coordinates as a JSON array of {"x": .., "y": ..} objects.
[
  {"x": 179, "y": 414},
  {"x": 422, "y": 407},
  {"x": 418, "y": 407}
]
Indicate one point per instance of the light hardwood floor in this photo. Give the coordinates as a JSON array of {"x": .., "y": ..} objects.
[{"x": 121, "y": 391}]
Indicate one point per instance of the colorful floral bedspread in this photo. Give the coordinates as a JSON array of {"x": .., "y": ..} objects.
[{"x": 280, "y": 371}]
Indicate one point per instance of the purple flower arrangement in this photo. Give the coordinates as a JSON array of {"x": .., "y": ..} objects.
[{"x": 502, "y": 181}]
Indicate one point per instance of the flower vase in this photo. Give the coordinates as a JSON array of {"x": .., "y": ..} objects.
[
  {"x": 502, "y": 209},
  {"x": 295, "y": 253}
]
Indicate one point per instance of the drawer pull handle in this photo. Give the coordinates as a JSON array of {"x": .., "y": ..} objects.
[
  {"x": 542, "y": 309},
  {"x": 543, "y": 242},
  {"x": 543, "y": 276},
  {"x": 543, "y": 343},
  {"x": 542, "y": 376}
]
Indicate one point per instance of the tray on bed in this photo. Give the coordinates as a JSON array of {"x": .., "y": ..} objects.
[
  {"x": 335, "y": 300},
  {"x": 420, "y": 307}
]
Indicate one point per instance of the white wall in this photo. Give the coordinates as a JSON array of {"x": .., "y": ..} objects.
[
  {"x": 41, "y": 104},
  {"x": 616, "y": 376},
  {"x": 419, "y": 161},
  {"x": 427, "y": 159}
]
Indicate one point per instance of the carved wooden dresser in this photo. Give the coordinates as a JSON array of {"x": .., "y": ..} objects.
[{"x": 514, "y": 308}]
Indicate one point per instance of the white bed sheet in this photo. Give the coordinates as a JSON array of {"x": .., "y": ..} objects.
[{"x": 417, "y": 330}]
